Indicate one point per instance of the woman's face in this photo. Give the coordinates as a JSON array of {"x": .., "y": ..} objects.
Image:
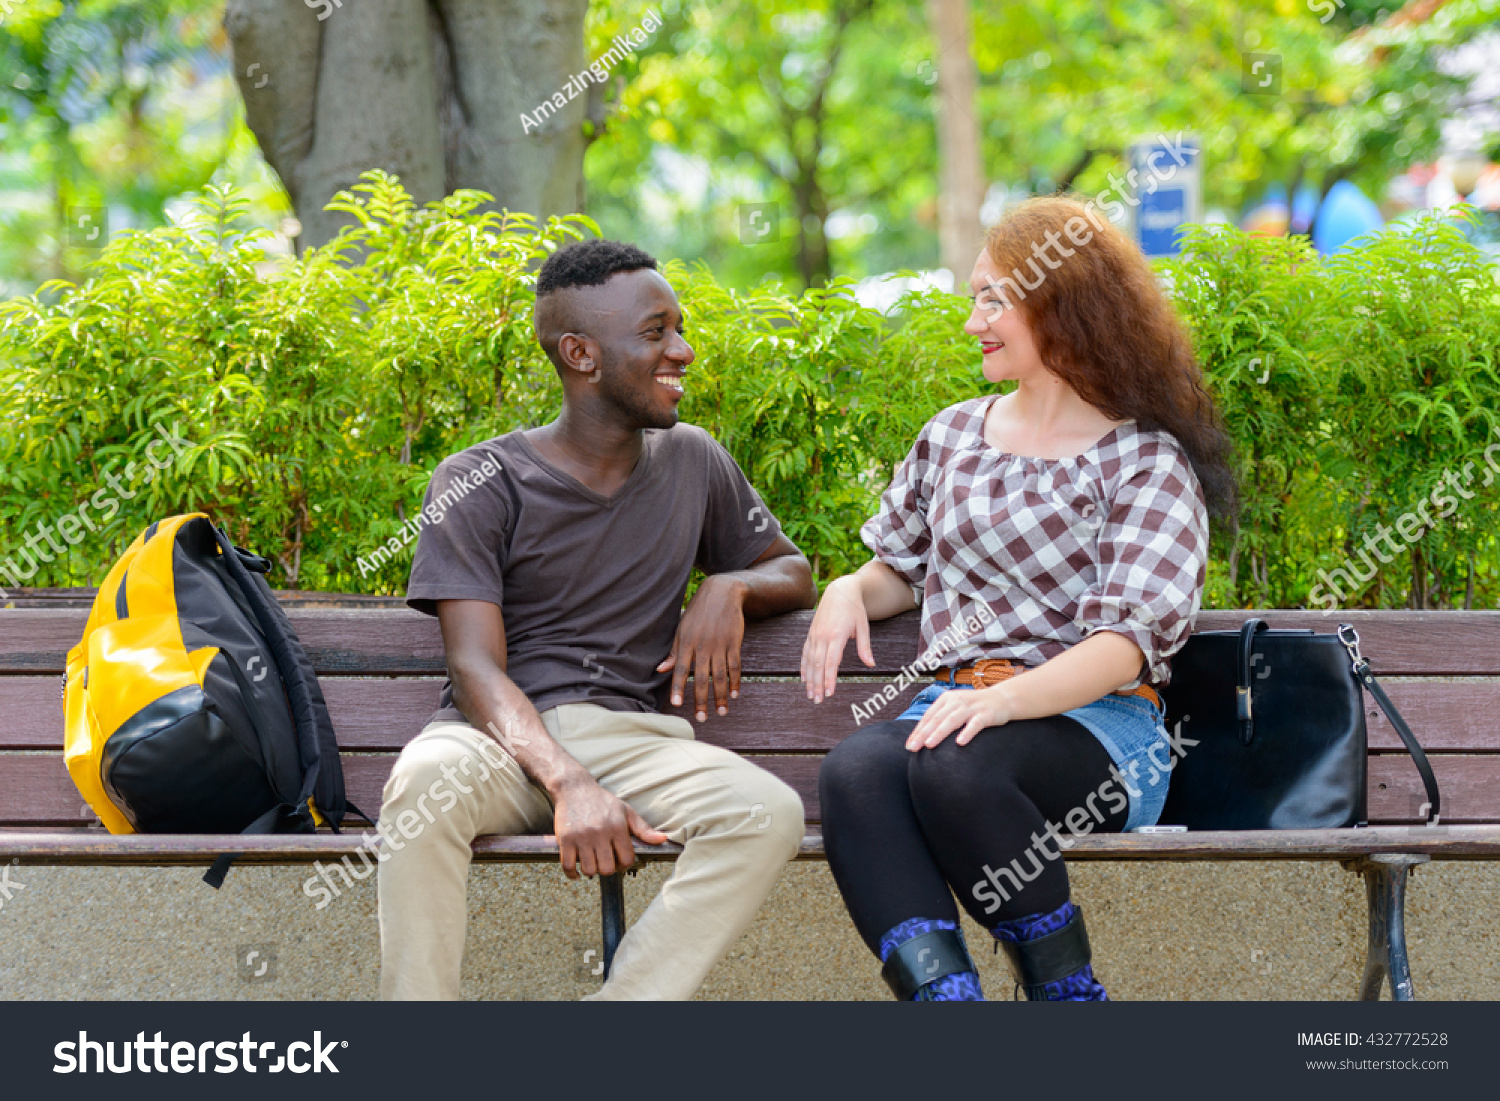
[{"x": 1004, "y": 337}]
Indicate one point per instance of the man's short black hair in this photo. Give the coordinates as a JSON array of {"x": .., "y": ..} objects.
[{"x": 589, "y": 264}]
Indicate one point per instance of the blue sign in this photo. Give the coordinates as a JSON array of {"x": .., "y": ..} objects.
[
  {"x": 1161, "y": 215},
  {"x": 1167, "y": 182}
]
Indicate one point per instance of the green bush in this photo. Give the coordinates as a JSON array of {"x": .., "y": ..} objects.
[
  {"x": 317, "y": 397},
  {"x": 1379, "y": 374}
]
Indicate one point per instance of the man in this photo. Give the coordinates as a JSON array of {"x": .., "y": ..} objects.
[{"x": 556, "y": 563}]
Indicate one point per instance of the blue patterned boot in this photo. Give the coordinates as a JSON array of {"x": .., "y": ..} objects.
[
  {"x": 926, "y": 960},
  {"x": 1049, "y": 954}
]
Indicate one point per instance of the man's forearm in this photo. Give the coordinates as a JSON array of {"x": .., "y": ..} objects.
[
  {"x": 777, "y": 585},
  {"x": 492, "y": 702}
]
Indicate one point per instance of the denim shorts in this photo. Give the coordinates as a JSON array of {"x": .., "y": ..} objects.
[{"x": 1132, "y": 731}]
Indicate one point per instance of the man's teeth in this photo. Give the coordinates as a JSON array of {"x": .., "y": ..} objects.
[{"x": 671, "y": 381}]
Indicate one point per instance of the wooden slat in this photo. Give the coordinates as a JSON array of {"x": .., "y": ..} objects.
[
  {"x": 398, "y": 640},
  {"x": 1445, "y": 715},
  {"x": 367, "y": 713},
  {"x": 36, "y": 790},
  {"x": 1396, "y": 642},
  {"x": 337, "y": 640},
  {"x": 1469, "y": 786},
  {"x": 769, "y": 717},
  {"x": 385, "y": 714},
  {"x": 92, "y": 847},
  {"x": 82, "y": 597},
  {"x": 31, "y": 713}
]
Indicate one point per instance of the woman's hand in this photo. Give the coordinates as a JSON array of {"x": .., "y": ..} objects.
[
  {"x": 840, "y": 616},
  {"x": 967, "y": 710}
]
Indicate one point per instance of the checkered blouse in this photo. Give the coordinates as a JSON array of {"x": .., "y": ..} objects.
[{"x": 1115, "y": 539}]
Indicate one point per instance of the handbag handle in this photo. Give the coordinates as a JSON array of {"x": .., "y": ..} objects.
[
  {"x": 1350, "y": 638},
  {"x": 1243, "y": 710}
]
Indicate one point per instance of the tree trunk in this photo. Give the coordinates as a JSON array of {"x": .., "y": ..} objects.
[
  {"x": 960, "y": 170},
  {"x": 810, "y": 209},
  {"x": 809, "y": 203},
  {"x": 430, "y": 90}
]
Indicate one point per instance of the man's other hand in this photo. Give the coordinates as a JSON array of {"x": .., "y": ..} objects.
[{"x": 594, "y": 828}]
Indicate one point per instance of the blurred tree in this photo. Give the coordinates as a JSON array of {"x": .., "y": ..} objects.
[
  {"x": 961, "y": 183},
  {"x": 433, "y": 91},
  {"x": 829, "y": 112},
  {"x": 798, "y": 129},
  {"x": 1094, "y": 77},
  {"x": 106, "y": 106}
]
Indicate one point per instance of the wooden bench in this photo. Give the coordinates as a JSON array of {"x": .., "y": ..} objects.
[{"x": 382, "y": 666}]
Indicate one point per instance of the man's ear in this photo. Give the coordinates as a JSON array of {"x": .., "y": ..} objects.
[{"x": 581, "y": 354}]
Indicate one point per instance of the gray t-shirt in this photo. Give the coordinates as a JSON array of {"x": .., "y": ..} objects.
[{"x": 591, "y": 587}]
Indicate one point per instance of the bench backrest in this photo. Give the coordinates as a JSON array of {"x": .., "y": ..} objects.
[{"x": 381, "y": 666}]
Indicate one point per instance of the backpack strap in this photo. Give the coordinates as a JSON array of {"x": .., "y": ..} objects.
[
  {"x": 316, "y": 744},
  {"x": 322, "y": 777},
  {"x": 279, "y": 819}
]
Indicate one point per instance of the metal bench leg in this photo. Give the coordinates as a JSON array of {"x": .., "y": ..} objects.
[
  {"x": 1385, "y": 887},
  {"x": 612, "y": 909}
]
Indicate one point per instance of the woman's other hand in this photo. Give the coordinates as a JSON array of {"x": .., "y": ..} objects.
[{"x": 967, "y": 711}]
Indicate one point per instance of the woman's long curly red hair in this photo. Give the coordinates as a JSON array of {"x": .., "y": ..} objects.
[{"x": 1102, "y": 324}]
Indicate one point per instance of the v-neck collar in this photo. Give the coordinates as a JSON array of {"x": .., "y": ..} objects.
[{"x": 634, "y": 479}]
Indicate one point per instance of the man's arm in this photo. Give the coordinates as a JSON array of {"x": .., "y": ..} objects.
[
  {"x": 593, "y": 827},
  {"x": 708, "y": 638}
]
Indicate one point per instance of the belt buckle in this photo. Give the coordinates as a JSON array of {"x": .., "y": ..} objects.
[{"x": 1002, "y": 669}]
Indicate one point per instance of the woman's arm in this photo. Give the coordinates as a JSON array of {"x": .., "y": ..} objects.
[
  {"x": 874, "y": 591},
  {"x": 882, "y": 590},
  {"x": 1097, "y": 666}
]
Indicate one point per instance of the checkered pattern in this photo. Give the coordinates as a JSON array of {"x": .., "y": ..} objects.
[{"x": 1115, "y": 539}]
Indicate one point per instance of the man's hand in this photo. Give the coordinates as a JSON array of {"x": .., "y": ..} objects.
[
  {"x": 594, "y": 828},
  {"x": 707, "y": 644}
]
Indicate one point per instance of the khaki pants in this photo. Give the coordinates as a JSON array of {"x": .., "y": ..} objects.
[{"x": 452, "y": 783}]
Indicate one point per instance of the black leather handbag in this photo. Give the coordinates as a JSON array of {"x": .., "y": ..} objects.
[{"x": 1271, "y": 730}]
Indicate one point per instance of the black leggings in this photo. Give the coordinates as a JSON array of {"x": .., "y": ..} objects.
[{"x": 902, "y": 828}]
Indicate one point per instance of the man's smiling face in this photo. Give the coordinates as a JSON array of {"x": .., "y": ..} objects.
[{"x": 636, "y": 321}]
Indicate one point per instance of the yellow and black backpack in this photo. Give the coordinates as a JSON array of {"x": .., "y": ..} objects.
[{"x": 191, "y": 706}]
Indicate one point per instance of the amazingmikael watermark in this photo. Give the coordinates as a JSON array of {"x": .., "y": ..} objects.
[
  {"x": 950, "y": 639},
  {"x": 597, "y": 73},
  {"x": 433, "y": 513}
]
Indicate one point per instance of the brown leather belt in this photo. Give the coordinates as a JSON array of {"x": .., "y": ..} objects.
[{"x": 987, "y": 672}]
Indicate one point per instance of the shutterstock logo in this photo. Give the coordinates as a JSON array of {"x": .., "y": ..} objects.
[
  {"x": 145, "y": 1056},
  {"x": 9, "y": 886}
]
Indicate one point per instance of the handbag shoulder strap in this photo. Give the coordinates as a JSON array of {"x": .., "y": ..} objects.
[{"x": 1350, "y": 638}]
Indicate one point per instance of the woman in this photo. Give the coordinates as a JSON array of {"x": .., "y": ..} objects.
[{"x": 1055, "y": 539}]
